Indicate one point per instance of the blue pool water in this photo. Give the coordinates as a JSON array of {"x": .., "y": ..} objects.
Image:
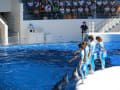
[{"x": 39, "y": 67}]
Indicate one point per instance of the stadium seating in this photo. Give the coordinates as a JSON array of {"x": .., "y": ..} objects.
[{"x": 69, "y": 9}]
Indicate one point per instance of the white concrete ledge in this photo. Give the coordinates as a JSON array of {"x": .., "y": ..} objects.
[{"x": 108, "y": 79}]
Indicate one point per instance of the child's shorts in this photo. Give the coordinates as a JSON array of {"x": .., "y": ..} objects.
[
  {"x": 87, "y": 61},
  {"x": 83, "y": 67}
]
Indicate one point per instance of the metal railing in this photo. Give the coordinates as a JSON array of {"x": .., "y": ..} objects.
[
  {"x": 106, "y": 25},
  {"x": 110, "y": 26}
]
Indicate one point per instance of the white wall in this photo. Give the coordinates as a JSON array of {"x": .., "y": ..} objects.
[
  {"x": 58, "y": 30},
  {"x": 63, "y": 30},
  {"x": 5, "y": 5}
]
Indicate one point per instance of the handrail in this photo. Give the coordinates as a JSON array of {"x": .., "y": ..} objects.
[{"x": 107, "y": 24}]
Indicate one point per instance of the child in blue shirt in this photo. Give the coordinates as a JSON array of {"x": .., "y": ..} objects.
[
  {"x": 80, "y": 56},
  {"x": 86, "y": 52},
  {"x": 102, "y": 51},
  {"x": 91, "y": 52}
]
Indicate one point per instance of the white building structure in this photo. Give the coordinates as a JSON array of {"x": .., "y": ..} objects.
[{"x": 45, "y": 31}]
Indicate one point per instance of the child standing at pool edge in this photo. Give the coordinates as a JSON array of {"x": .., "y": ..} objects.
[
  {"x": 91, "y": 52},
  {"x": 86, "y": 52},
  {"x": 102, "y": 51},
  {"x": 82, "y": 66}
]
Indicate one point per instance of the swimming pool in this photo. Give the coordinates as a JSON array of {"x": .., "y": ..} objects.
[{"x": 39, "y": 66}]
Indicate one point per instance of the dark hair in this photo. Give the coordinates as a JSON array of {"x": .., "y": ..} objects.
[
  {"x": 80, "y": 46},
  {"x": 85, "y": 43},
  {"x": 84, "y": 22},
  {"x": 91, "y": 37},
  {"x": 99, "y": 38}
]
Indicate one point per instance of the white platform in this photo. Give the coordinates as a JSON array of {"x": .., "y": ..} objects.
[{"x": 108, "y": 79}]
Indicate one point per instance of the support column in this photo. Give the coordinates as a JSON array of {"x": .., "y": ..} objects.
[
  {"x": 4, "y": 32},
  {"x": 93, "y": 24},
  {"x": 5, "y": 41}
]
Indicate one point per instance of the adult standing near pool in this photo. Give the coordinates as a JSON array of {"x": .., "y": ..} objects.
[{"x": 84, "y": 29}]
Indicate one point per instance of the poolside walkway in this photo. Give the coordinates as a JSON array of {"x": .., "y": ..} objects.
[{"x": 108, "y": 79}]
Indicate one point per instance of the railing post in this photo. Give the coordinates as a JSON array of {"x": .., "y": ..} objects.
[{"x": 93, "y": 24}]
